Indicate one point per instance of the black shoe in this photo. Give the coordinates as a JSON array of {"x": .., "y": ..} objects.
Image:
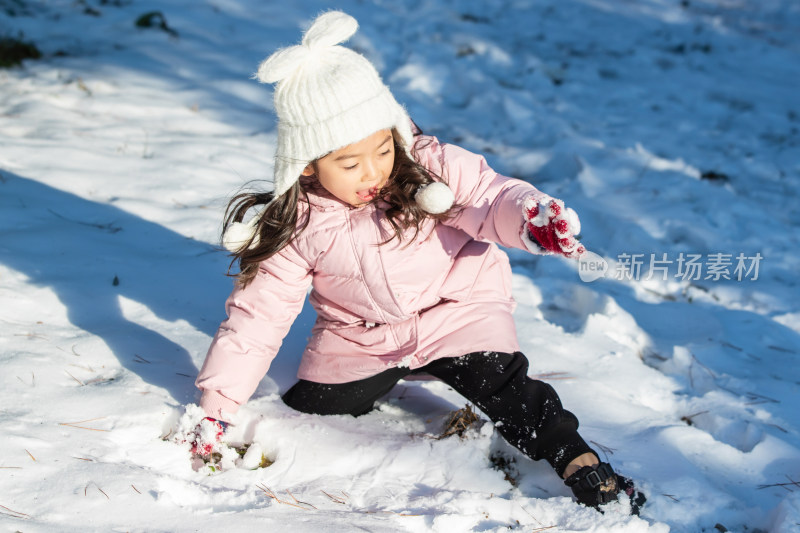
[{"x": 598, "y": 485}]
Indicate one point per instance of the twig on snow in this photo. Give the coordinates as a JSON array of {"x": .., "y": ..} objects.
[
  {"x": 33, "y": 380},
  {"x": 266, "y": 490},
  {"x": 109, "y": 227},
  {"x": 552, "y": 376},
  {"x": 307, "y": 506},
  {"x": 389, "y": 512},
  {"x": 298, "y": 501},
  {"x": 32, "y": 336},
  {"x": 710, "y": 372},
  {"x": 459, "y": 422},
  {"x": 81, "y": 383},
  {"x": 71, "y": 350},
  {"x": 780, "y": 349},
  {"x": 776, "y": 426},
  {"x": 762, "y": 398},
  {"x": 31, "y": 455},
  {"x": 335, "y": 499},
  {"x": 704, "y": 367},
  {"x": 541, "y": 527},
  {"x": 688, "y": 418},
  {"x": 75, "y": 424},
  {"x": 605, "y": 449},
  {"x": 792, "y": 483},
  {"x": 732, "y": 346},
  {"x": 15, "y": 514},
  {"x": 97, "y": 487}
]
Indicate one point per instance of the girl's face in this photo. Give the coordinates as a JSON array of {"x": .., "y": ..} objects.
[{"x": 354, "y": 174}]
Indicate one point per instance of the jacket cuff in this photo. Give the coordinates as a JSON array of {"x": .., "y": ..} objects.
[
  {"x": 218, "y": 406},
  {"x": 527, "y": 239}
]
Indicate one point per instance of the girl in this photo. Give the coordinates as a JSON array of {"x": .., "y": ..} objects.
[{"x": 394, "y": 231}]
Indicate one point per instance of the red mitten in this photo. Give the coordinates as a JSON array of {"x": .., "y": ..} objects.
[
  {"x": 206, "y": 435},
  {"x": 552, "y": 227}
]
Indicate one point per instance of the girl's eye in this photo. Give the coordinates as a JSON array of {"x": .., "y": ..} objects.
[
  {"x": 351, "y": 168},
  {"x": 387, "y": 152}
]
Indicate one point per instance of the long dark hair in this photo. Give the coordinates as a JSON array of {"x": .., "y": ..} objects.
[{"x": 278, "y": 223}]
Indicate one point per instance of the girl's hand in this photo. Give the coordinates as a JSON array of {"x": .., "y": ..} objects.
[
  {"x": 553, "y": 227},
  {"x": 206, "y": 435},
  {"x": 203, "y": 435}
]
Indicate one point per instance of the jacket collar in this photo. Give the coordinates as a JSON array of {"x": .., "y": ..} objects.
[{"x": 319, "y": 198}]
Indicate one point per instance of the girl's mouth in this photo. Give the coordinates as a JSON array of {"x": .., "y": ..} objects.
[{"x": 367, "y": 194}]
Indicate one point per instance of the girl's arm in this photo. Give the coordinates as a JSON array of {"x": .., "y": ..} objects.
[
  {"x": 493, "y": 205},
  {"x": 259, "y": 317}
]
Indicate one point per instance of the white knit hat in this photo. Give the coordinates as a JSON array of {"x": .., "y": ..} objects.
[{"x": 326, "y": 97}]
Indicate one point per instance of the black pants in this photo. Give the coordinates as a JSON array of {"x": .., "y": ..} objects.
[{"x": 527, "y": 412}]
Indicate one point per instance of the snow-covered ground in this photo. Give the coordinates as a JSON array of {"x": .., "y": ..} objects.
[{"x": 670, "y": 126}]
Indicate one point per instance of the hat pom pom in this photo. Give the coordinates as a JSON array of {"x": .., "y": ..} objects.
[
  {"x": 238, "y": 234},
  {"x": 330, "y": 29},
  {"x": 434, "y": 198},
  {"x": 281, "y": 64}
]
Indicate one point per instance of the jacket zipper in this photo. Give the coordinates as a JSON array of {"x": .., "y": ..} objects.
[{"x": 361, "y": 269}]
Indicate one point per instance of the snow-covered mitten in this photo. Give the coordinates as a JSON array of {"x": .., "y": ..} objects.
[
  {"x": 206, "y": 435},
  {"x": 637, "y": 498},
  {"x": 598, "y": 485},
  {"x": 551, "y": 227}
]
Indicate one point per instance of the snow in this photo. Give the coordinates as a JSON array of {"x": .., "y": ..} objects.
[{"x": 670, "y": 127}]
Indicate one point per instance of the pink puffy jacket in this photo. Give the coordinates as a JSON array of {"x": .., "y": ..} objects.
[{"x": 446, "y": 294}]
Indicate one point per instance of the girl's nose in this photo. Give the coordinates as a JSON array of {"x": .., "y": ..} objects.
[{"x": 372, "y": 171}]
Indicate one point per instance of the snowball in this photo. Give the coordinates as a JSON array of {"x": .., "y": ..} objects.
[{"x": 434, "y": 198}]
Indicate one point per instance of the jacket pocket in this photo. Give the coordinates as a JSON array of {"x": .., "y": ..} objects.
[{"x": 463, "y": 275}]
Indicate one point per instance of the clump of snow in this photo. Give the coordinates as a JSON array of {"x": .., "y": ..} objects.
[
  {"x": 406, "y": 361},
  {"x": 253, "y": 457}
]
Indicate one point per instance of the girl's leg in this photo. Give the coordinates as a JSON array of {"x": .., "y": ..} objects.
[
  {"x": 352, "y": 398},
  {"x": 528, "y": 412}
]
